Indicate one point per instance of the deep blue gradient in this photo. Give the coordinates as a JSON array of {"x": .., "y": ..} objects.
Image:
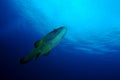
[{"x": 89, "y": 51}]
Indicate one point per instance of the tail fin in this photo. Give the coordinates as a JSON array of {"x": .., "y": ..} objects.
[
  {"x": 30, "y": 56},
  {"x": 25, "y": 60}
]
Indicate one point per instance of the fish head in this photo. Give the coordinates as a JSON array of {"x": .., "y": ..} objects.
[
  {"x": 60, "y": 29},
  {"x": 55, "y": 33}
]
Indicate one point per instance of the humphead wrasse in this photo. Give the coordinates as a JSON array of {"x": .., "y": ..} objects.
[{"x": 45, "y": 45}]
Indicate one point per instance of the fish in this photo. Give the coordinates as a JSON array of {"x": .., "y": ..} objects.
[{"x": 45, "y": 45}]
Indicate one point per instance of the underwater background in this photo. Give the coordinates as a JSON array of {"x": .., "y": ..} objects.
[{"x": 89, "y": 51}]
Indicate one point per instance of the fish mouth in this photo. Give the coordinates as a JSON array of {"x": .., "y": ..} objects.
[
  {"x": 58, "y": 30},
  {"x": 62, "y": 27}
]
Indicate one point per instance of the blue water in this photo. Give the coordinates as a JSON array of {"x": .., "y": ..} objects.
[{"x": 89, "y": 51}]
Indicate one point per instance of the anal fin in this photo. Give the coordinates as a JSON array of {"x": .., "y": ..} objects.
[
  {"x": 36, "y": 56},
  {"x": 46, "y": 54}
]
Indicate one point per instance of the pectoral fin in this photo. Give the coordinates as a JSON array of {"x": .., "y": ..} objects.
[{"x": 46, "y": 54}]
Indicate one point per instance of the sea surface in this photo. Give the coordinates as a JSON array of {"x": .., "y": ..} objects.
[{"x": 89, "y": 51}]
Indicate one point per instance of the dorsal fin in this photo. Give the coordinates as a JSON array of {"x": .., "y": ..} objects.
[{"x": 36, "y": 44}]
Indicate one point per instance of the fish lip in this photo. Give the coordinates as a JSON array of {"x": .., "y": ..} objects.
[{"x": 62, "y": 28}]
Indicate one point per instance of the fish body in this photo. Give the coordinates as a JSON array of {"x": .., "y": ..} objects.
[{"x": 45, "y": 45}]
